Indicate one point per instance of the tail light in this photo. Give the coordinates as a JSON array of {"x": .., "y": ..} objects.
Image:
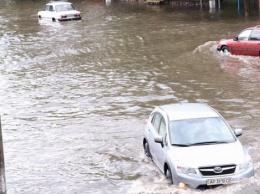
[
  {"x": 77, "y": 15},
  {"x": 63, "y": 16}
]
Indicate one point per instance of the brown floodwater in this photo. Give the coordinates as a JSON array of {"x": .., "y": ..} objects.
[{"x": 74, "y": 95}]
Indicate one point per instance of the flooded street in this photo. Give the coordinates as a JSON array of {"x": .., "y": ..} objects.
[{"x": 75, "y": 95}]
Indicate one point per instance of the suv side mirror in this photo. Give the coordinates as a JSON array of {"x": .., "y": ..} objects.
[
  {"x": 158, "y": 139},
  {"x": 238, "y": 132},
  {"x": 235, "y": 38}
]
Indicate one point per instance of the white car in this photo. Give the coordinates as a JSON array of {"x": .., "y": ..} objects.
[
  {"x": 193, "y": 145},
  {"x": 59, "y": 11}
]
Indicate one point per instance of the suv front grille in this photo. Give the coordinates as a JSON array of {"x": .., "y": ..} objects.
[{"x": 217, "y": 170}]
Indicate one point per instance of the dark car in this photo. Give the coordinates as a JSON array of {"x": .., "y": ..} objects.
[{"x": 246, "y": 42}]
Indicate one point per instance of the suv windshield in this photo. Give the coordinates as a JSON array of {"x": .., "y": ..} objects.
[{"x": 200, "y": 132}]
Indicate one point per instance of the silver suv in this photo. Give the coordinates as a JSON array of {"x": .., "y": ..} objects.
[{"x": 192, "y": 144}]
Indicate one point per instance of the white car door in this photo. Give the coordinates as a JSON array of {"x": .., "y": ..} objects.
[{"x": 48, "y": 12}]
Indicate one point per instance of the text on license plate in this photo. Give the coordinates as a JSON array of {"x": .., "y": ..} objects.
[{"x": 218, "y": 181}]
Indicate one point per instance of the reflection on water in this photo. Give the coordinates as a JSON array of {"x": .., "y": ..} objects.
[{"x": 75, "y": 95}]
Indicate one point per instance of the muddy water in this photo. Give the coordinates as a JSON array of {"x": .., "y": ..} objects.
[{"x": 74, "y": 96}]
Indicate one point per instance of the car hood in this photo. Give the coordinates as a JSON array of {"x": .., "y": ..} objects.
[
  {"x": 208, "y": 155},
  {"x": 225, "y": 41}
]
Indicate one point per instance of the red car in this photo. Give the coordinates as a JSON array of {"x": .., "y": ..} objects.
[{"x": 246, "y": 42}]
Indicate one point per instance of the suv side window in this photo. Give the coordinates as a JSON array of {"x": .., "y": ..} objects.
[
  {"x": 255, "y": 36},
  {"x": 162, "y": 130},
  {"x": 156, "y": 121}
]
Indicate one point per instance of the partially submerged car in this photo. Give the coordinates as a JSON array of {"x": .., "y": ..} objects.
[
  {"x": 246, "y": 42},
  {"x": 193, "y": 145},
  {"x": 59, "y": 11}
]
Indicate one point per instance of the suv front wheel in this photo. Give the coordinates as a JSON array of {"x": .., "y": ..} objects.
[{"x": 147, "y": 149}]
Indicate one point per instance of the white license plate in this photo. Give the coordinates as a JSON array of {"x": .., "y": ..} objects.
[{"x": 219, "y": 181}]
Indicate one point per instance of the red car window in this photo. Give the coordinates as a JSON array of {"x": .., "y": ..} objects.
[
  {"x": 255, "y": 36},
  {"x": 244, "y": 35}
]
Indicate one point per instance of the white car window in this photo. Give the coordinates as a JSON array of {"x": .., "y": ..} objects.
[
  {"x": 66, "y": 7},
  {"x": 47, "y": 7}
]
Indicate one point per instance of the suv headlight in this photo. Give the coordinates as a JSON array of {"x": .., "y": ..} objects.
[
  {"x": 186, "y": 170},
  {"x": 246, "y": 164}
]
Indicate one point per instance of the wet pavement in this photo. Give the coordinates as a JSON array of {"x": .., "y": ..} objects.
[{"x": 74, "y": 95}]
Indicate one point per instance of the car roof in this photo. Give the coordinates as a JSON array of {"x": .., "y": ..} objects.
[
  {"x": 58, "y": 3},
  {"x": 183, "y": 111},
  {"x": 254, "y": 27}
]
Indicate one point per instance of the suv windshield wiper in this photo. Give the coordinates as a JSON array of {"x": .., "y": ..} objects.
[
  {"x": 181, "y": 145},
  {"x": 208, "y": 142}
]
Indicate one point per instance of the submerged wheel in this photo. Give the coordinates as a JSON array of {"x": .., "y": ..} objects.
[
  {"x": 147, "y": 149},
  {"x": 168, "y": 174},
  {"x": 224, "y": 49},
  {"x": 40, "y": 17},
  {"x": 53, "y": 19}
]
